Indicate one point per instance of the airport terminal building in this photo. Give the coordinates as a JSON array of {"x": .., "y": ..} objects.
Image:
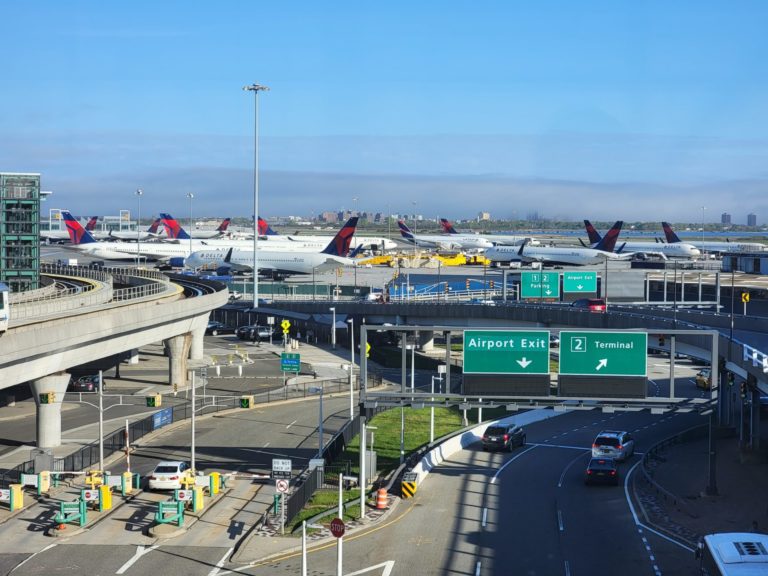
[{"x": 20, "y": 231}]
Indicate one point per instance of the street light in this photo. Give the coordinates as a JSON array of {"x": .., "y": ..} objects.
[
  {"x": 440, "y": 372},
  {"x": 351, "y": 367},
  {"x": 412, "y": 348},
  {"x": 255, "y": 88},
  {"x": 333, "y": 328},
  {"x": 314, "y": 390},
  {"x": 190, "y": 196},
  {"x": 139, "y": 194}
]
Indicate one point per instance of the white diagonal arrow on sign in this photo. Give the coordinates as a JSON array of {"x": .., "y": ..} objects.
[
  {"x": 524, "y": 363},
  {"x": 602, "y": 364}
]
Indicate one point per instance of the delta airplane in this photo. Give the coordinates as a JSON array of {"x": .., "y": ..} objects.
[
  {"x": 712, "y": 245},
  {"x": 570, "y": 255},
  {"x": 367, "y": 242},
  {"x": 133, "y": 236},
  {"x": 52, "y": 236},
  {"x": 444, "y": 242},
  {"x": 676, "y": 250},
  {"x": 496, "y": 239},
  {"x": 282, "y": 263},
  {"x": 174, "y": 231}
]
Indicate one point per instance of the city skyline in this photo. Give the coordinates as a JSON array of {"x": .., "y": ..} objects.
[{"x": 568, "y": 110}]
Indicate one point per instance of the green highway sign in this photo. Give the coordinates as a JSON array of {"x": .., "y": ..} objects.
[
  {"x": 543, "y": 285},
  {"x": 580, "y": 281},
  {"x": 616, "y": 353},
  {"x": 506, "y": 352},
  {"x": 290, "y": 362}
]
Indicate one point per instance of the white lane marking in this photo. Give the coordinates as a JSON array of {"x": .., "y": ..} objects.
[
  {"x": 266, "y": 445},
  {"x": 28, "y": 558},
  {"x": 477, "y": 568},
  {"x": 571, "y": 463},
  {"x": 485, "y": 516},
  {"x": 508, "y": 462},
  {"x": 567, "y": 569},
  {"x": 560, "y": 520},
  {"x": 559, "y": 446},
  {"x": 388, "y": 566},
  {"x": 291, "y": 424},
  {"x": 140, "y": 551},
  {"x": 215, "y": 570}
]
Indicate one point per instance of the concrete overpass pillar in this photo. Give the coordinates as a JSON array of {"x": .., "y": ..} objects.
[
  {"x": 133, "y": 356},
  {"x": 426, "y": 340},
  {"x": 196, "y": 350},
  {"x": 177, "y": 349},
  {"x": 49, "y": 415}
]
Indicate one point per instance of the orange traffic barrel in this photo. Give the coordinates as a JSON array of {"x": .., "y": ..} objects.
[{"x": 381, "y": 499}]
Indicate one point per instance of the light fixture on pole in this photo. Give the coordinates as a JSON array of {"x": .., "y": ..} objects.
[
  {"x": 333, "y": 328},
  {"x": 190, "y": 196},
  {"x": 351, "y": 368},
  {"x": 139, "y": 194},
  {"x": 255, "y": 88}
]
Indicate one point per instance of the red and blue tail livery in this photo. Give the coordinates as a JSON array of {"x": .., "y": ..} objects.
[
  {"x": 447, "y": 226},
  {"x": 670, "y": 235},
  {"x": 339, "y": 246},
  {"x": 608, "y": 242},
  {"x": 265, "y": 229},
  {"x": 77, "y": 234},
  {"x": 91, "y": 225},
  {"x": 154, "y": 226},
  {"x": 173, "y": 228},
  {"x": 224, "y": 225}
]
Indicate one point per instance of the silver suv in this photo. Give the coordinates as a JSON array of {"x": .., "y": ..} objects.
[{"x": 613, "y": 444}]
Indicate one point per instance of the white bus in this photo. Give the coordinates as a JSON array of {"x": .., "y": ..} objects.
[
  {"x": 733, "y": 554},
  {"x": 4, "y": 306}
]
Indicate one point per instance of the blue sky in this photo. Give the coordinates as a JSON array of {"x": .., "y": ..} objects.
[{"x": 602, "y": 110}]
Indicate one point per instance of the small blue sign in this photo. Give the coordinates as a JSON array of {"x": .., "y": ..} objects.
[{"x": 162, "y": 418}]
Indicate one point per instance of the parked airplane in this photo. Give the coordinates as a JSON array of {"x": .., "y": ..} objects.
[
  {"x": 571, "y": 255},
  {"x": 713, "y": 245},
  {"x": 60, "y": 236},
  {"x": 367, "y": 242},
  {"x": 676, "y": 250},
  {"x": 131, "y": 236},
  {"x": 174, "y": 230},
  {"x": 281, "y": 263},
  {"x": 496, "y": 239},
  {"x": 444, "y": 242}
]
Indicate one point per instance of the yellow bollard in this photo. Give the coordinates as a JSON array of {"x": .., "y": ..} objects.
[
  {"x": 94, "y": 478},
  {"x": 215, "y": 483},
  {"x": 105, "y": 498},
  {"x": 44, "y": 482},
  {"x": 17, "y": 496},
  {"x": 197, "y": 498},
  {"x": 127, "y": 483}
]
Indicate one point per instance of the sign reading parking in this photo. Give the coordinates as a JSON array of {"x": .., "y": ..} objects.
[
  {"x": 290, "y": 362},
  {"x": 506, "y": 352},
  {"x": 580, "y": 282},
  {"x": 281, "y": 469},
  {"x": 603, "y": 353},
  {"x": 543, "y": 285}
]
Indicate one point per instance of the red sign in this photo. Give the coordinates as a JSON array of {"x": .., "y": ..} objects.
[{"x": 337, "y": 527}]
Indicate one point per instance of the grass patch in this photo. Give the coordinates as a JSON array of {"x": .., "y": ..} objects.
[{"x": 324, "y": 499}]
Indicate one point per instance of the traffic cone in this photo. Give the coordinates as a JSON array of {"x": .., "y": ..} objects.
[{"x": 381, "y": 499}]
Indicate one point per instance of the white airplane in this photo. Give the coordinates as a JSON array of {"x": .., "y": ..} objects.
[
  {"x": 367, "y": 242},
  {"x": 496, "y": 239},
  {"x": 444, "y": 242},
  {"x": 281, "y": 263},
  {"x": 570, "y": 255},
  {"x": 713, "y": 245},
  {"x": 676, "y": 250},
  {"x": 173, "y": 229},
  {"x": 52, "y": 236},
  {"x": 133, "y": 236}
]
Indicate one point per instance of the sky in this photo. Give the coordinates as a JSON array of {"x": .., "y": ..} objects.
[{"x": 634, "y": 110}]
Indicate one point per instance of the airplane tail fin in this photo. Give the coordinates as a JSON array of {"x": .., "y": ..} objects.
[
  {"x": 447, "y": 226},
  {"x": 339, "y": 246},
  {"x": 356, "y": 251},
  {"x": 405, "y": 232},
  {"x": 265, "y": 229},
  {"x": 522, "y": 246},
  {"x": 224, "y": 225},
  {"x": 608, "y": 242},
  {"x": 669, "y": 233},
  {"x": 154, "y": 226},
  {"x": 173, "y": 228},
  {"x": 77, "y": 234},
  {"x": 592, "y": 233},
  {"x": 91, "y": 225}
]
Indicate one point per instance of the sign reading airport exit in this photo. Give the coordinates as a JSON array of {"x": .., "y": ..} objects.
[
  {"x": 506, "y": 352},
  {"x": 603, "y": 353},
  {"x": 580, "y": 282},
  {"x": 542, "y": 285}
]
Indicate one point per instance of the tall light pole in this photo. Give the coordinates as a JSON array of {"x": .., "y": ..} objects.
[
  {"x": 139, "y": 194},
  {"x": 255, "y": 88},
  {"x": 190, "y": 196},
  {"x": 333, "y": 328},
  {"x": 351, "y": 367}
]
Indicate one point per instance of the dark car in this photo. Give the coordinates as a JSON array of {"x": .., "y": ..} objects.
[
  {"x": 591, "y": 304},
  {"x": 253, "y": 332},
  {"x": 88, "y": 383},
  {"x": 602, "y": 471},
  {"x": 215, "y": 327},
  {"x": 503, "y": 437}
]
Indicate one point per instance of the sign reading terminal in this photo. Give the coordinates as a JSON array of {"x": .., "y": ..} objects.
[{"x": 603, "y": 353}]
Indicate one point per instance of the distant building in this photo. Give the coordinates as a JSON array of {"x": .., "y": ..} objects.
[
  {"x": 483, "y": 216},
  {"x": 377, "y": 217},
  {"x": 725, "y": 218},
  {"x": 752, "y": 220},
  {"x": 20, "y": 231},
  {"x": 329, "y": 217}
]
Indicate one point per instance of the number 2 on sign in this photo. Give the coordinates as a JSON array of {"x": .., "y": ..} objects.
[{"x": 578, "y": 344}]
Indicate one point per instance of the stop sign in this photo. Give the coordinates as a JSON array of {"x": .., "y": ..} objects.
[{"x": 337, "y": 527}]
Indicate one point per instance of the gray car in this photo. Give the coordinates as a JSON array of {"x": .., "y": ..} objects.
[
  {"x": 615, "y": 444},
  {"x": 503, "y": 437}
]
